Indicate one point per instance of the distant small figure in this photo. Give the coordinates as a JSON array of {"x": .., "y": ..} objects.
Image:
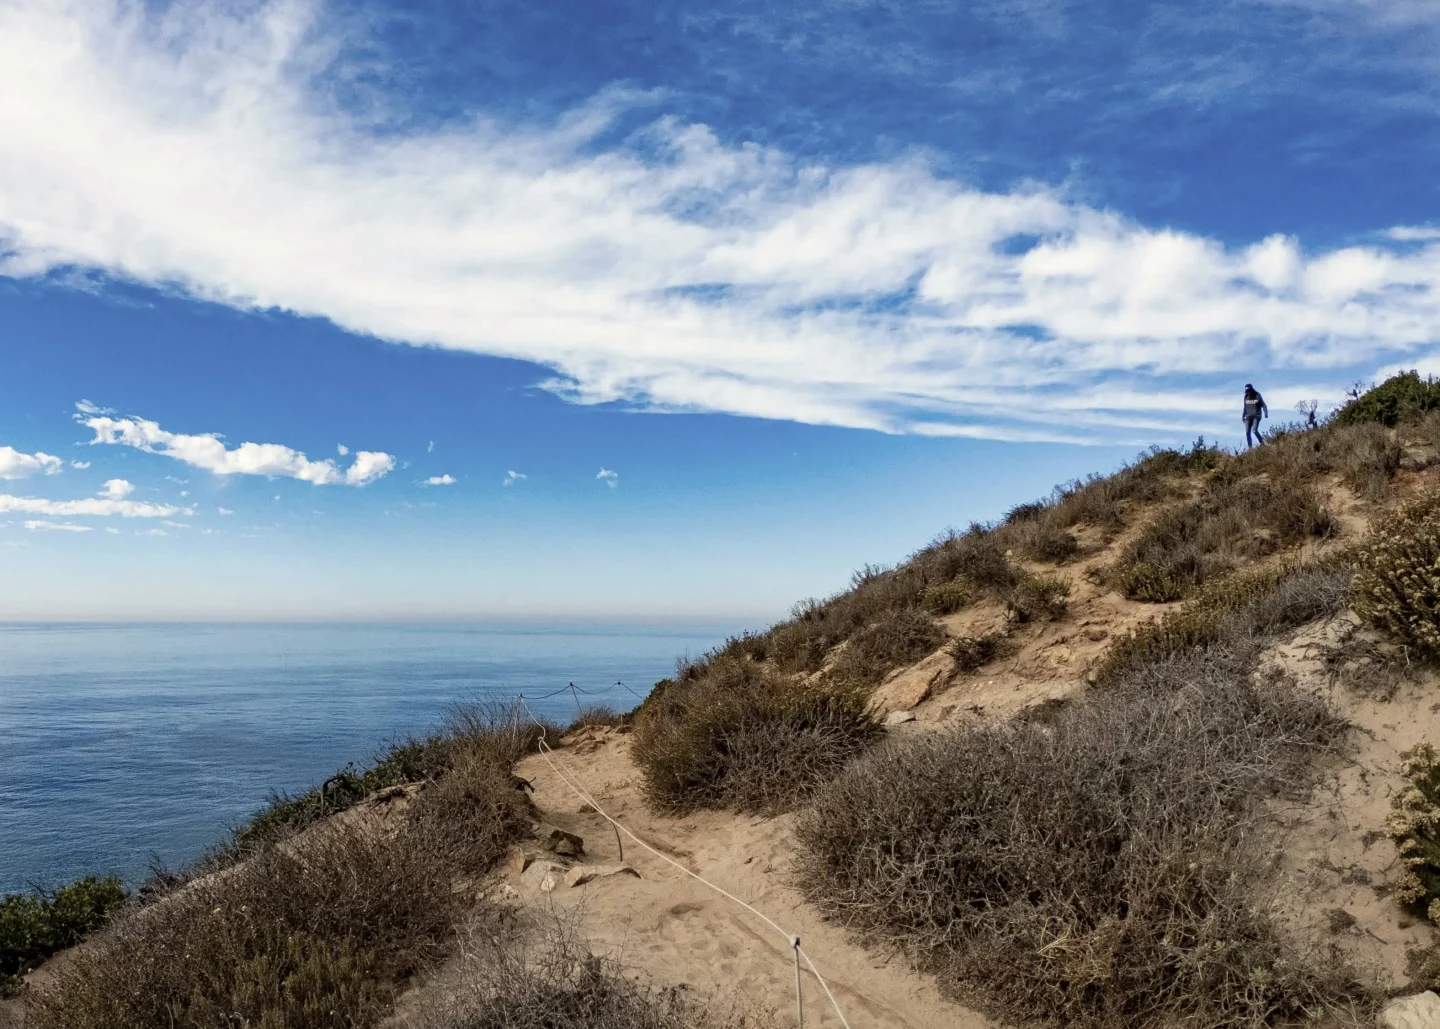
[{"x": 1251, "y": 414}]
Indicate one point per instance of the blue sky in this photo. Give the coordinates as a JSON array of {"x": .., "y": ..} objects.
[{"x": 679, "y": 310}]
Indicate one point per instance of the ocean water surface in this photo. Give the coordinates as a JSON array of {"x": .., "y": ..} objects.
[{"x": 123, "y": 745}]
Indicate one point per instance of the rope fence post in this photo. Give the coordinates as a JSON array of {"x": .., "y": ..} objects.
[
  {"x": 799, "y": 992},
  {"x": 576, "y": 695}
]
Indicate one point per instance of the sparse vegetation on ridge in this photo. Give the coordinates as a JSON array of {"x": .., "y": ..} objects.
[
  {"x": 1097, "y": 869},
  {"x": 318, "y": 930}
]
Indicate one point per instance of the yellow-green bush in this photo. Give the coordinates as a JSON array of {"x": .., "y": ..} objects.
[
  {"x": 943, "y": 598},
  {"x": 970, "y": 652},
  {"x": 1039, "y": 596},
  {"x": 1415, "y": 828},
  {"x": 1397, "y": 574}
]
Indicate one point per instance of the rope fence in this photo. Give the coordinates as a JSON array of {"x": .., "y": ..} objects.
[{"x": 791, "y": 940}]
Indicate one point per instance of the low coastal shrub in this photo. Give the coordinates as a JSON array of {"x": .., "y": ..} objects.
[
  {"x": 945, "y": 598},
  {"x": 898, "y": 638},
  {"x": 35, "y": 926},
  {"x": 1252, "y": 604},
  {"x": 1399, "y": 397},
  {"x": 597, "y": 714},
  {"x": 1099, "y": 869},
  {"x": 747, "y": 738},
  {"x": 1414, "y": 827},
  {"x": 1037, "y": 597},
  {"x": 467, "y": 730},
  {"x": 1397, "y": 574},
  {"x": 1039, "y": 539},
  {"x": 317, "y": 932},
  {"x": 546, "y": 977},
  {"x": 1231, "y": 521},
  {"x": 971, "y": 652}
]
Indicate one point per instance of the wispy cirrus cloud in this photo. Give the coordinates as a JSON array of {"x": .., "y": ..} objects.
[
  {"x": 41, "y": 525},
  {"x": 207, "y": 451},
  {"x": 608, "y": 477},
  {"x": 668, "y": 269},
  {"x": 96, "y": 506}
]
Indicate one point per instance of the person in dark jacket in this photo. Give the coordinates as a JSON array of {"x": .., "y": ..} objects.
[{"x": 1251, "y": 414}]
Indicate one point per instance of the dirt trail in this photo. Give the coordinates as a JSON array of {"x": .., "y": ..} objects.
[{"x": 676, "y": 930}]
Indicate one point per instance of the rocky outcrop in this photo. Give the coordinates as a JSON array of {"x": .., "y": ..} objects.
[{"x": 908, "y": 687}]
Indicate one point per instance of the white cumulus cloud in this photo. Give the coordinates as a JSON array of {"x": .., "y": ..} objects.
[
  {"x": 342, "y": 449},
  {"x": 440, "y": 480},
  {"x": 673, "y": 271},
  {"x": 41, "y": 525},
  {"x": 611, "y": 479},
  {"x": 80, "y": 464},
  {"x": 15, "y": 465},
  {"x": 512, "y": 477},
  {"x": 207, "y": 451},
  {"x": 116, "y": 489},
  {"x": 225, "y": 510}
]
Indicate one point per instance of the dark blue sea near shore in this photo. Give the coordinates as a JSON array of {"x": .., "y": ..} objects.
[{"x": 123, "y": 744}]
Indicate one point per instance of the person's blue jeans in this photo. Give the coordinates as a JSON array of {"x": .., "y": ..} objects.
[{"x": 1252, "y": 425}]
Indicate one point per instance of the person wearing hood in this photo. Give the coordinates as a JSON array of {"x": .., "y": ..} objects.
[{"x": 1254, "y": 409}]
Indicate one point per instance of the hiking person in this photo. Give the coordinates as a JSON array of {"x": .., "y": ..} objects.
[{"x": 1251, "y": 414}]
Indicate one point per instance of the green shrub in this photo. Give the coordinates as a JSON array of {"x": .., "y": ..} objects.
[
  {"x": 1397, "y": 574},
  {"x": 971, "y": 652},
  {"x": 1398, "y": 397},
  {"x": 1148, "y": 583},
  {"x": 947, "y": 597},
  {"x": 35, "y": 926},
  {"x": 1039, "y": 596},
  {"x": 1415, "y": 829}
]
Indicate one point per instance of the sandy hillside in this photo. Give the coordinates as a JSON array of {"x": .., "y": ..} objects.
[
  {"x": 1333, "y": 865},
  {"x": 676, "y": 931}
]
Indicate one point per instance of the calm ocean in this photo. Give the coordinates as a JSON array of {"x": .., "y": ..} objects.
[{"x": 123, "y": 744}]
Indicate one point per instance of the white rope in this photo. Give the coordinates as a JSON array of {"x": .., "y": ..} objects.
[{"x": 546, "y": 750}]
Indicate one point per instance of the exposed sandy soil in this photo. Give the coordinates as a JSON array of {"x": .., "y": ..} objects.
[
  {"x": 677, "y": 931},
  {"x": 1337, "y": 868}
]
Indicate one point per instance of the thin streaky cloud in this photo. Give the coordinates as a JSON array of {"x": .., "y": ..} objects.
[
  {"x": 671, "y": 271},
  {"x": 92, "y": 506},
  {"x": 41, "y": 525}
]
